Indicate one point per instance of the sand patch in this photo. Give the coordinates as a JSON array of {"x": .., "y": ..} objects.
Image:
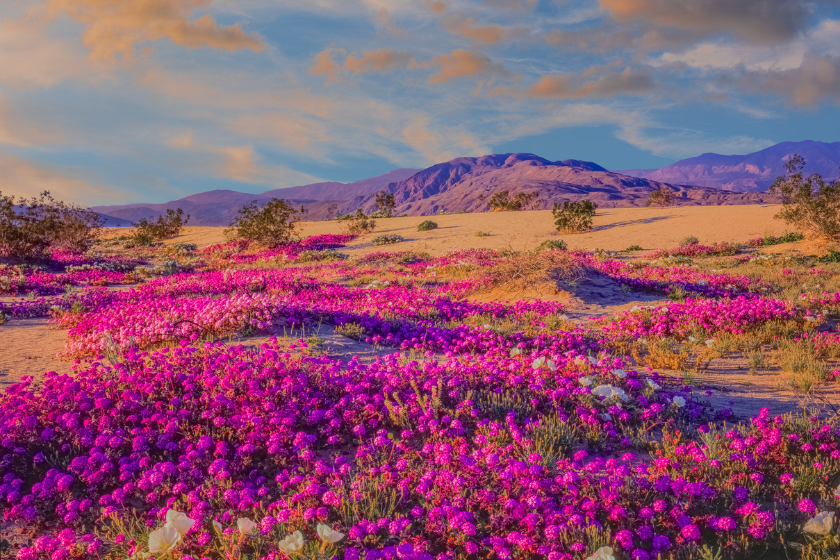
[{"x": 29, "y": 347}]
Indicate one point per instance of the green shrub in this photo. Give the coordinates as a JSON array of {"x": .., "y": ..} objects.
[
  {"x": 574, "y": 217},
  {"x": 810, "y": 204},
  {"x": 662, "y": 197},
  {"x": 166, "y": 226},
  {"x": 270, "y": 224},
  {"x": 358, "y": 223},
  {"x": 482, "y": 234},
  {"x": 504, "y": 201},
  {"x": 427, "y": 225},
  {"x": 388, "y": 239},
  {"x": 689, "y": 240},
  {"x": 552, "y": 245},
  {"x": 30, "y": 227},
  {"x": 632, "y": 248}
]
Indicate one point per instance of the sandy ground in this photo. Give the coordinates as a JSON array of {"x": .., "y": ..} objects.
[
  {"x": 29, "y": 347},
  {"x": 614, "y": 229}
]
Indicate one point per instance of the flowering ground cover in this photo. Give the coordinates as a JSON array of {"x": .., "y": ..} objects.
[{"x": 490, "y": 430}]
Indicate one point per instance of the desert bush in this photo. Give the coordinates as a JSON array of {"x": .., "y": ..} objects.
[
  {"x": 632, "y": 248},
  {"x": 768, "y": 240},
  {"x": 524, "y": 270},
  {"x": 427, "y": 225},
  {"x": 662, "y": 197},
  {"x": 689, "y": 240},
  {"x": 809, "y": 203},
  {"x": 482, "y": 234},
  {"x": 166, "y": 226},
  {"x": 30, "y": 227},
  {"x": 386, "y": 239},
  {"x": 552, "y": 245},
  {"x": 504, "y": 201},
  {"x": 574, "y": 217},
  {"x": 385, "y": 204},
  {"x": 267, "y": 224},
  {"x": 358, "y": 223}
]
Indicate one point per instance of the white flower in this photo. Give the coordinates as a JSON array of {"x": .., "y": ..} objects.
[
  {"x": 292, "y": 543},
  {"x": 217, "y": 526},
  {"x": 603, "y": 553},
  {"x": 245, "y": 525},
  {"x": 820, "y": 524},
  {"x": 179, "y": 521},
  {"x": 327, "y": 534},
  {"x": 585, "y": 381},
  {"x": 837, "y": 492},
  {"x": 592, "y": 360},
  {"x": 551, "y": 365},
  {"x": 679, "y": 401},
  {"x": 606, "y": 416},
  {"x": 537, "y": 364},
  {"x": 609, "y": 391},
  {"x": 515, "y": 352},
  {"x": 653, "y": 384},
  {"x": 620, "y": 373},
  {"x": 164, "y": 539},
  {"x": 709, "y": 342}
]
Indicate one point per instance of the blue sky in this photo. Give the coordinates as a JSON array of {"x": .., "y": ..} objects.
[{"x": 115, "y": 101}]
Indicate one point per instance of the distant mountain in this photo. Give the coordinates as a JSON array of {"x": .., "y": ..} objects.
[
  {"x": 463, "y": 184},
  {"x": 753, "y": 172},
  {"x": 219, "y": 207},
  {"x": 466, "y": 184}
]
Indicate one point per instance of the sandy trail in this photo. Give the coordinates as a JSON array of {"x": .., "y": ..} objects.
[{"x": 614, "y": 229}]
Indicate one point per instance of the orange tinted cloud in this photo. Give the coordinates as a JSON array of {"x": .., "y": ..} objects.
[
  {"x": 754, "y": 20},
  {"x": 117, "y": 27},
  {"x": 382, "y": 60},
  {"x": 466, "y": 27},
  {"x": 26, "y": 178},
  {"x": 462, "y": 63},
  {"x": 238, "y": 163},
  {"x": 574, "y": 86},
  {"x": 325, "y": 65}
]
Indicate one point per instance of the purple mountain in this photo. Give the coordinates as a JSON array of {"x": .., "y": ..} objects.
[{"x": 746, "y": 173}]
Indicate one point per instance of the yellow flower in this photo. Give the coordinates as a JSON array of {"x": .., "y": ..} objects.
[
  {"x": 291, "y": 544},
  {"x": 328, "y": 535},
  {"x": 179, "y": 521},
  {"x": 164, "y": 539},
  {"x": 245, "y": 525}
]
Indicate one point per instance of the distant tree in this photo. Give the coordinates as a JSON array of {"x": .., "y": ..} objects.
[
  {"x": 574, "y": 217},
  {"x": 503, "y": 201},
  {"x": 167, "y": 226},
  {"x": 30, "y": 227},
  {"x": 662, "y": 197},
  {"x": 809, "y": 203},
  {"x": 385, "y": 204},
  {"x": 268, "y": 224}
]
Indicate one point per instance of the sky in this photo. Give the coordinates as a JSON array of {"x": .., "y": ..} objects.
[{"x": 120, "y": 101}]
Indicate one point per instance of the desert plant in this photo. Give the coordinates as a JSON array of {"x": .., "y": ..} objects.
[
  {"x": 29, "y": 227},
  {"x": 809, "y": 203},
  {"x": 482, "y": 234},
  {"x": 427, "y": 225},
  {"x": 689, "y": 240},
  {"x": 267, "y": 224},
  {"x": 632, "y": 248},
  {"x": 574, "y": 217},
  {"x": 385, "y": 204},
  {"x": 358, "y": 223},
  {"x": 166, "y": 226},
  {"x": 386, "y": 239},
  {"x": 662, "y": 197},
  {"x": 552, "y": 245},
  {"x": 504, "y": 201}
]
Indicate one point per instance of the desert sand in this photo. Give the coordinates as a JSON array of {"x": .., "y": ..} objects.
[{"x": 614, "y": 229}]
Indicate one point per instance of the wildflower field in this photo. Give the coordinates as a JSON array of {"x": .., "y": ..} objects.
[{"x": 205, "y": 416}]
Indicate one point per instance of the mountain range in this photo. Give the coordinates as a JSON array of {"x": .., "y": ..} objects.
[{"x": 465, "y": 184}]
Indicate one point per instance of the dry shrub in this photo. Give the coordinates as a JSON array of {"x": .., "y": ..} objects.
[{"x": 522, "y": 271}]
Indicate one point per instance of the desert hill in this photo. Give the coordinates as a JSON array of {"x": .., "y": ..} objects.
[{"x": 746, "y": 173}]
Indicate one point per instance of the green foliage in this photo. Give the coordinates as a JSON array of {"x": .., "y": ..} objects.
[
  {"x": 358, "y": 223},
  {"x": 689, "y": 240},
  {"x": 832, "y": 256},
  {"x": 268, "y": 224},
  {"x": 662, "y": 197},
  {"x": 504, "y": 201},
  {"x": 574, "y": 217},
  {"x": 385, "y": 204},
  {"x": 166, "y": 226},
  {"x": 427, "y": 225},
  {"x": 632, "y": 248},
  {"x": 811, "y": 203},
  {"x": 788, "y": 237},
  {"x": 386, "y": 239},
  {"x": 29, "y": 227},
  {"x": 482, "y": 234},
  {"x": 552, "y": 245}
]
